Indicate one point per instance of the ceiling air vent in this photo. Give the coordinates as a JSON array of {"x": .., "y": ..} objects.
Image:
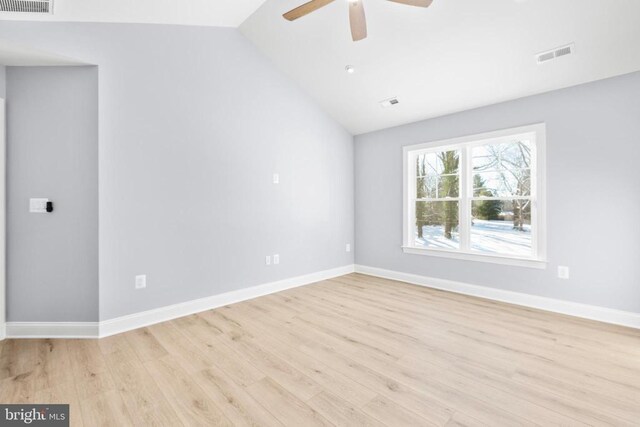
[
  {"x": 389, "y": 102},
  {"x": 555, "y": 53},
  {"x": 27, "y": 6}
]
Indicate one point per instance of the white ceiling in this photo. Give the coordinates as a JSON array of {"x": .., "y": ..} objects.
[
  {"x": 13, "y": 54},
  {"x": 221, "y": 13},
  {"x": 453, "y": 56}
]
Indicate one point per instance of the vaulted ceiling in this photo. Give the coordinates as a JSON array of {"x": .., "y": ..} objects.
[
  {"x": 14, "y": 54},
  {"x": 220, "y": 13},
  {"x": 454, "y": 55}
]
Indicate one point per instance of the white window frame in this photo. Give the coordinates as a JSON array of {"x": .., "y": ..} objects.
[{"x": 537, "y": 135}]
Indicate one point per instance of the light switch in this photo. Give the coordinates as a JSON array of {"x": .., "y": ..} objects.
[
  {"x": 276, "y": 178},
  {"x": 38, "y": 205}
]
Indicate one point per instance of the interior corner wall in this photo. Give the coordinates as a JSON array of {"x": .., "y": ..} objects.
[
  {"x": 593, "y": 201},
  {"x": 52, "y": 152},
  {"x": 3, "y": 78},
  {"x": 193, "y": 123}
]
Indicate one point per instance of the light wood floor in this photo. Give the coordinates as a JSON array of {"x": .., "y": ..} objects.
[{"x": 355, "y": 350}]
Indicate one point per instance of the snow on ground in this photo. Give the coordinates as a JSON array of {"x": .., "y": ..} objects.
[{"x": 496, "y": 237}]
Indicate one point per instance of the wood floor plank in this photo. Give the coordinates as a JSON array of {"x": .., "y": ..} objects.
[
  {"x": 285, "y": 406},
  {"x": 233, "y": 400},
  {"x": 53, "y": 363},
  {"x": 145, "y": 402},
  {"x": 145, "y": 344},
  {"x": 391, "y": 414},
  {"x": 89, "y": 369},
  {"x": 64, "y": 392},
  {"x": 439, "y": 410},
  {"x": 239, "y": 369},
  {"x": 507, "y": 313},
  {"x": 18, "y": 357},
  {"x": 105, "y": 410},
  {"x": 277, "y": 368},
  {"x": 490, "y": 388},
  {"x": 185, "y": 352},
  {"x": 312, "y": 344},
  {"x": 593, "y": 397},
  {"x": 504, "y": 333},
  {"x": 192, "y": 405},
  {"x": 117, "y": 349},
  {"x": 339, "y": 411},
  {"x": 321, "y": 373},
  {"x": 18, "y": 389},
  {"x": 266, "y": 361},
  {"x": 353, "y": 350},
  {"x": 461, "y": 420}
]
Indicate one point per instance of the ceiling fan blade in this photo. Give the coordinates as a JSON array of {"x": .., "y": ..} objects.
[
  {"x": 419, "y": 3},
  {"x": 357, "y": 20},
  {"x": 305, "y": 9}
]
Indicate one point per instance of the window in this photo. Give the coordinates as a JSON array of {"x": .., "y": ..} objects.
[{"x": 479, "y": 198}]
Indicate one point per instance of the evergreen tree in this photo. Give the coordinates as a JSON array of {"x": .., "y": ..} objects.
[{"x": 485, "y": 209}]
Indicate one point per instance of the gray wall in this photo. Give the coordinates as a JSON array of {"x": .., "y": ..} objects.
[
  {"x": 52, "y": 152},
  {"x": 193, "y": 123},
  {"x": 3, "y": 74},
  {"x": 593, "y": 199}
]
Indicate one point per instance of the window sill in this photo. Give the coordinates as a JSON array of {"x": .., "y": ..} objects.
[{"x": 494, "y": 259}]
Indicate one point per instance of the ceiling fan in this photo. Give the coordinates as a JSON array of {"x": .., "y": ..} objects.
[{"x": 356, "y": 13}]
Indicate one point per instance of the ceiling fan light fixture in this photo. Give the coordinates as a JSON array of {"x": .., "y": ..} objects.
[{"x": 357, "y": 19}]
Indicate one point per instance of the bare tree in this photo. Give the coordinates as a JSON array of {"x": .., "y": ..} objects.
[
  {"x": 420, "y": 194},
  {"x": 511, "y": 163},
  {"x": 449, "y": 187}
]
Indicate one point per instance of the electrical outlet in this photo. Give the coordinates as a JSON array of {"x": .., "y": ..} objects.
[
  {"x": 267, "y": 260},
  {"x": 276, "y": 259},
  {"x": 348, "y": 248},
  {"x": 141, "y": 281},
  {"x": 563, "y": 272},
  {"x": 276, "y": 178}
]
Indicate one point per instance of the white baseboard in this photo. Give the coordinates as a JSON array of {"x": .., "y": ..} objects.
[
  {"x": 602, "y": 314},
  {"x": 52, "y": 329},
  {"x": 146, "y": 318}
]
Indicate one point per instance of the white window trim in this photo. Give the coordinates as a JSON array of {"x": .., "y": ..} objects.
[{"x": 539, "y": 217}]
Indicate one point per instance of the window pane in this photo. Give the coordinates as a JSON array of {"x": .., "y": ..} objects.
[
  {"x": 448, "y": 186},
  {"x": 438, "y": 175},
  {"x": 506, "y": 155},
  {"x": 502, "y": 170},
  {"x": 502, "y": 184},
  {"x": 427, "y": 187},
  {"x": 501, "y": 227},
  {"x": 438, "y": 163},
  {"x": 434, "y": 187},
  {"x": 436, "y": 225}
]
